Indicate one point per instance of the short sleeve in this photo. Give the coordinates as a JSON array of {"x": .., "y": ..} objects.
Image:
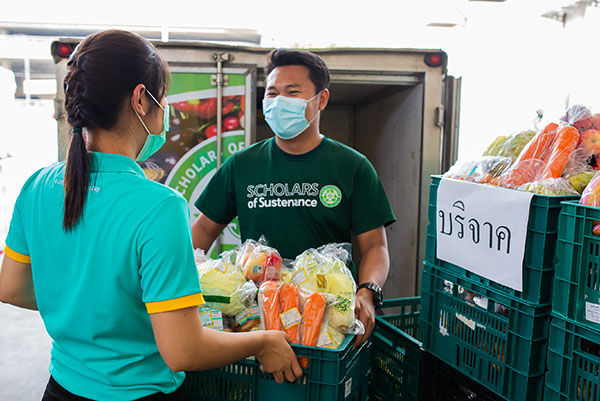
[
  {"x": 16, "y": 242},
  {"x": 370, "y": 207},
  {"x": 168, "y": 274},
  {"x": 217, "y": 201}
]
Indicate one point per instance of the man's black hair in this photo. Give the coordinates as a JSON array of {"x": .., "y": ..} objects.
[{"x": 317, "y": 69}]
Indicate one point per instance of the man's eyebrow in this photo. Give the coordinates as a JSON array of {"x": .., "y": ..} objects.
[{"x": 287, "y": 86}]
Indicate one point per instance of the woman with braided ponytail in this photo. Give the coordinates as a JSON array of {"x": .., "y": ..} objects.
[{"x": 106, "y": 255}]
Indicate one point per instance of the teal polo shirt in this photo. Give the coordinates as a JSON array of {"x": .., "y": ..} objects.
[{"x": 130, "y": 255}]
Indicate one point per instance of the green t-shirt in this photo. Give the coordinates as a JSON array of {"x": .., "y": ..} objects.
[{"x": 297, "y": 201}]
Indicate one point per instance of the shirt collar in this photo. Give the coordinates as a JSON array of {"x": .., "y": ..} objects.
[{"x": 111, "y": 162}]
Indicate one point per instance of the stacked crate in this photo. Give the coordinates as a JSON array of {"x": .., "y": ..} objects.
[
  {"x": 489, "y": 332},
  {"x": 574, "y": 344}
]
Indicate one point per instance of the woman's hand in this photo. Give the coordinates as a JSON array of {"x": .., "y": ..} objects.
[{"x": 277, "y": 357}]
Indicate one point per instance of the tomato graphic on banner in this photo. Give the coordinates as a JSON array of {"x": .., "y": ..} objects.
[{"x": 188, "y": 160}]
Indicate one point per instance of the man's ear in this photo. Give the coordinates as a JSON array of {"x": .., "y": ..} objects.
[{"x": 323, "y": 99}]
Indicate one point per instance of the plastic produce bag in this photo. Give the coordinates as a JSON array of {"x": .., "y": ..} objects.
[
  {"x": 224, "y": 286},
  {"x": 588, "y": 126},
  {"x": 211, "y": 318},
  {"x": 482, "y": 171},
  {"x": 510, "y": 146},
  {"x": 550, "y": 186},
  {"x": 591, "y": 197},
  {"x": 330, "y": 337},
  {"x": 531, "y": 161},
  {"x": 326, "y": 272},
  {"x": 577, "y": 115},
  {"x": 268, "y": 302},
  {"x": 248, "y": 319},
  {"x": 287, "y": 270},
  {"x": 289, "y": 300},
  {"x": 259, "y": 262}
]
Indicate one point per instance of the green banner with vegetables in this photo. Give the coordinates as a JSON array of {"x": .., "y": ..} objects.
[{"x": 188, "y": 159}]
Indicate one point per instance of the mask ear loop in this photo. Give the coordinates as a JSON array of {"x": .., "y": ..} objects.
[
  {"x": 318, "y": 110},
  {"x": 140, "y": 118}
]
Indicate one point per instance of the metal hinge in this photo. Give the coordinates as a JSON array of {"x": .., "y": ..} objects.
[
  {"x": 439, "y": 116},
  {"x": 213, "y": 80}
]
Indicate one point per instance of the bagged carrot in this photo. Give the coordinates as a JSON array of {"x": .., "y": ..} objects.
[
  {"x": 314, "y": 310},
  {"x": 530, "y": 161},
  {"x": 268, "y": 298},
  {"x": 564, "y": 145},
  {"x": 290, "y": 311}
]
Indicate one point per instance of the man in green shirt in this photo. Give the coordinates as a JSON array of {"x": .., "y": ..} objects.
[{"x": 301, "y": 189}]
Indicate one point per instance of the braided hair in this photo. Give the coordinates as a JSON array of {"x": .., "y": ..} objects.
[{"x": 101, "y": 74}]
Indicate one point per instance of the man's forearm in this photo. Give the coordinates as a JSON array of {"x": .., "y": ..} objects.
[
  {"x": 204, "y": 232},
  {"x": 374, "y": 265}
]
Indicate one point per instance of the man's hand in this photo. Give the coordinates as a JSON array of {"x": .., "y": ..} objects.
[{"x": 365, "y": 312}]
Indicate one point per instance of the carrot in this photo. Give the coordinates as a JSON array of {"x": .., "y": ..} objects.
[
  {"x": 288, "y": 296},
  {"x": 269, "y": 295},
  {"x": 539, "y": 145},
  {"x": 529, "y": 163},
  {"x": 314, "y": 310},
  {"x": 565, "y": 143}
]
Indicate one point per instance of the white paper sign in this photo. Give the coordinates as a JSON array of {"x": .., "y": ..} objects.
[
  {"x": 483, "y": 229},
  {"x": 592, "y": 312}
]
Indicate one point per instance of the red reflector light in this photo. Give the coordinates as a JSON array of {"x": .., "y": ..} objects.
[
  {"x": 64, "y": 50},
  {"x": 434, "y": 59}
]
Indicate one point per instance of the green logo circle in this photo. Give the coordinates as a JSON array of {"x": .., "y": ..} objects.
[{"x": 330, "y": 195}]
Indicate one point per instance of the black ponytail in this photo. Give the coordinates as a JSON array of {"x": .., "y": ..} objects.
[
  {"x": 77, "y": 177},
  {"x": 101, "y": 75}
]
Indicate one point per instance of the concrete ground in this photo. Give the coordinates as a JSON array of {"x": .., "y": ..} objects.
[{"x": 24, "y": 354}]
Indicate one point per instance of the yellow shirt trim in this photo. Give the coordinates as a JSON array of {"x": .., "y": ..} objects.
[
  {"x": 175, "y": 303},
  {"x": 16, "y": 256}
]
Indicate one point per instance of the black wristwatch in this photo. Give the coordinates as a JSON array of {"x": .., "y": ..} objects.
[{"x": 377, "y": 293}]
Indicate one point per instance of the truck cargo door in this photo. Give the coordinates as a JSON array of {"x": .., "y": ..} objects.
[{"x": 450, "y": 123}]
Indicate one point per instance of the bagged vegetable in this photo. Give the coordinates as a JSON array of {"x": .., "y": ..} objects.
[
  {"x": 268, "y": 301},
  {"x": 259, "y": 262},
  {"x": 591, "y": 194},
  {"x": 212, "y": 318},
  {"x": 481, "y": 171},
  {"x": 287, "y": 270},
  {"x": 581, "y": 180},
  {"x": 290, "y": 311},
  {"x": 577, "y": 116},
  {"x": 550, "y": 186},
  {"x": 248, "y": 319},
  {"x": 326, "y": 272},
  {"x": 562, "y": 148},
  {"x": 591, "y": 197},
  {"x": 531, "y": 162},
  {"x": 224, "y": 286},
  {"x": 312, "y": 319},
  {"x": 510, "y": 146},
  {"x": 330, "y": 337}
]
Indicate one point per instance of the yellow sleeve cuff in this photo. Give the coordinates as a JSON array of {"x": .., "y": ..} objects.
[
  {"x": 16, "y": 256},
  {"x": 175, "y": 303}
]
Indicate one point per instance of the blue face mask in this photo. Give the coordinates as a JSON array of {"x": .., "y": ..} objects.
[
  {"x": 153, "y": 142},
  {"x": 286, "y": 115}
]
